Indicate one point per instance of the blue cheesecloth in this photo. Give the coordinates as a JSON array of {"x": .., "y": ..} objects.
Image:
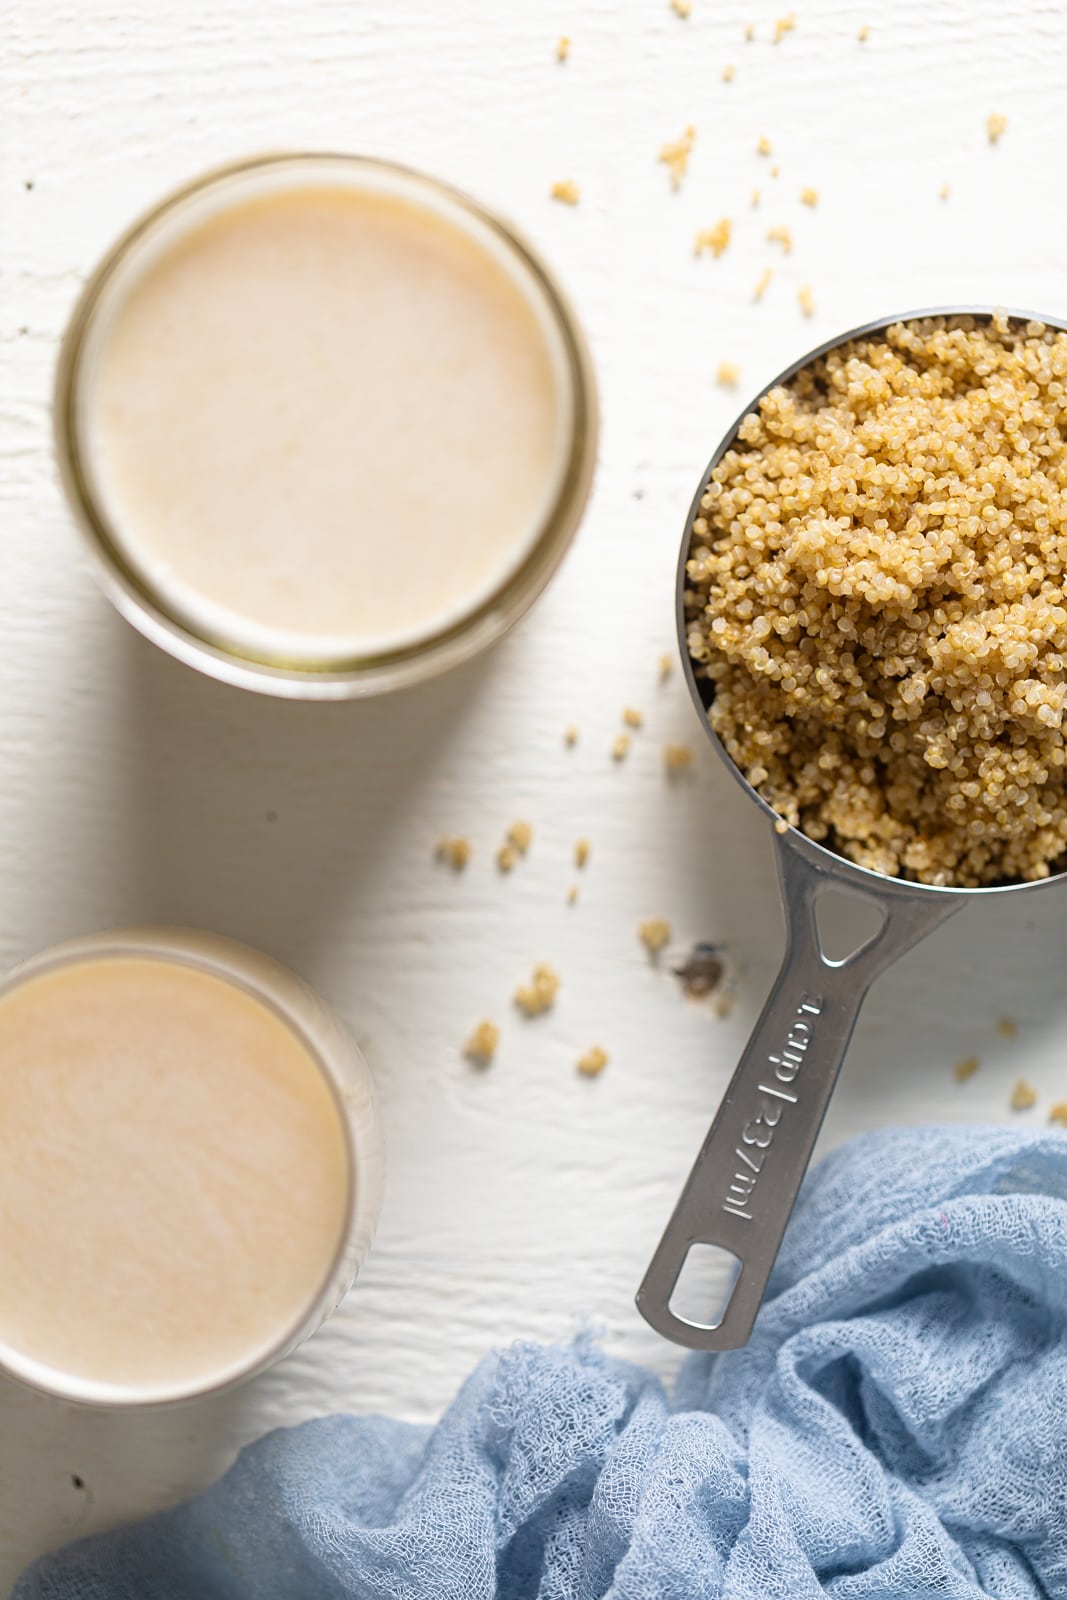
[{"x": 897, "y": 1426}]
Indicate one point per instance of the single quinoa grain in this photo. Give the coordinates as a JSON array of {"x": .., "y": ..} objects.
[
  {"x": 754, "y": 201},
  {"x": 715, "y": 239},
  {"x": 455, "y": 850},
  {"x": 581, "y": 852},
  {"x": 1023, "y": 1096},
  {"x": 563, "y": 48},
  {"x": 520, "y": 835},
  {"x": 593, "y": 1062},
  {"x": 632, "y": 718},
  {"x": 876, "y": 587},
  {"x": 763, "y": 285},
  {"x": 572, "y": 895},
  {"x": 481, "y": 1046},
  {"x": 965, "y": 1069},
  {"x": 1058, "y": 1113},
  {"x": 750, "y": 32},
  {"x": 728, "y": 374},
  {"x": 783, "y": 26},
  {"x": 675, "y": 156},
  {"x": 539, "y": 994},
  {"x": 678, "y": 758},
  {"x": 570, "y": 737},
  {"x": 944, "y": 191},
  {"x": 995, "y": 126},
  {"x": 681, "y": 8},
  {"x": 763, "y": 147},
  {"x": 1007, "y": 1028},
  {"x": 507, "y": 858},
  {"x": 566, "y": 191},
  {"x": 654, "y": 934},
  {"x": 666, "y": 667},
  {"x": 782, "y": 236},
  {"x": 864, "y": 34},
  {"x": 809, "y": 197},
  {"x": 621, "y": 747},
  {"x": 727, "y": 74},
  {"x": 806, "y": 299}
]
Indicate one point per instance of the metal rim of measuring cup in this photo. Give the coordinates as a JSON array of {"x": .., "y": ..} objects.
[
  {"x": 740, "y": 1193},
  {"x": 357, "y": 678}
]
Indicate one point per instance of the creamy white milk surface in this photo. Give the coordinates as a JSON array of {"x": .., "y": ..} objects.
[
  {"x": 174, "y": 1174},
  {"x": 325, "y": 421}
]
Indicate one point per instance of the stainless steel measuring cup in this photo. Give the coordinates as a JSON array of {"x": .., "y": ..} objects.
[{"x": 741, "y": 1190}]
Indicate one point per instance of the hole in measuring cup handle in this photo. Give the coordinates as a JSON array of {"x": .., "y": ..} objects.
[
  {"x": 705, "y": 1285},
  {"x": 846, "y": 924}
]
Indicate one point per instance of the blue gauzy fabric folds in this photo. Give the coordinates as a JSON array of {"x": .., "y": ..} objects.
[{"x": 897, "y": 1427}]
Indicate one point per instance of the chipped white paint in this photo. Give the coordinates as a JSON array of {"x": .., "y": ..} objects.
[{"x": 525, "y": 1198}]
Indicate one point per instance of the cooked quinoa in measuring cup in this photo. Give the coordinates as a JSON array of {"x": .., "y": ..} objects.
[{"x": 876, "y": 586}]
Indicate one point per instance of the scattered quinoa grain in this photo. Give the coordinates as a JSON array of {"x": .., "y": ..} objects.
[
  {"x": 750, "y": 32},
  {"x": 809, "y": 197},
  {"x": 702, "y": 972},
  {"x": 995, "y": 126},
  {"x": 620, "y": 748},
  {"x": 581, "y": 852},
  {"x": 781, "y": 826},
  {"x": 539, "y": 995},
  {"x": 1007, "y": 1028},
  {"x": 754, "y": 202},
  {"x": 675, "y": 156},
  {"x": 666, "y": 667},
  {"x": 632, "y": 718},
  {"x": 965, "y": 1069},
  {"x": 455, "y": 850},
  {"x": 876, "y": 587},
  {"x": 715, "y": 239},
  {"x": 944, "y": 192},
  {"x": 566, "y": 191},
  {"x": 728, "y": 374},
  {"x": 681, "y": 8},
  {"x": 774, "y": 172},
  {"x": 677, "y": 758},
  {"x": 592, "y": 1062},
  {"x": 1023, "y": 1096},
  {"x": 783, "y": 26},
  {"x": 764, "y": 147},
  {"x": 782, "y": 236},
  {"x": 654, "y": 934},
  {"x": 570, "y": 736},
  {"x": 520, "y": 835},
  {"x": 864, "y": 34},
  {"x": 481, "y": 1046},
  {"x": 563, "y": 47},
  {"x": 572, "y": 895},
  {"x": 806, "y": 299},
  {"x": 506, "y": 858},
  {"x": 727, "y": 74},
  {"x": 763, "y": 285},
  {"x": 1058, "y": 1113}
]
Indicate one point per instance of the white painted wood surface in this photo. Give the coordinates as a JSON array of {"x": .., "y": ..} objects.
[{"x": 524, "y": 1200}]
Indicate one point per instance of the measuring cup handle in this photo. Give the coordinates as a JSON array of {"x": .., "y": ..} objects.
[{"x": 744, "y": 1182}]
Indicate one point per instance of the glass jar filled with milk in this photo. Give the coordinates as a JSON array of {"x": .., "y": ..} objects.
[
  {"x": 328, "y": 424},
  {"x": 191, "y": 1166}
]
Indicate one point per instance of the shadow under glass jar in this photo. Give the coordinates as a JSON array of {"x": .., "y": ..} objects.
[{"x": 151, "y": 594}]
